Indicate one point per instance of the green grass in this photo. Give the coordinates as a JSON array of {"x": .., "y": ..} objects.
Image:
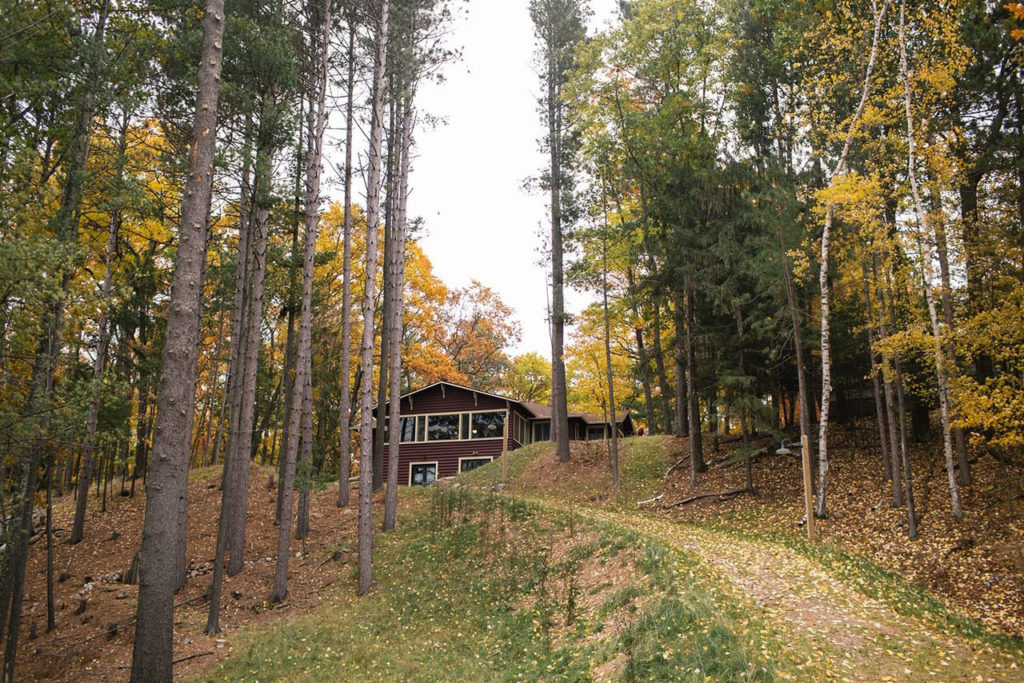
[
  {"x": 518, "y": 461},
  {"x": 642, "y": 463},
  {"x": 483, "y": 587}
]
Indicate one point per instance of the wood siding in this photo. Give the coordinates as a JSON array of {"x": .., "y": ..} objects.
[
  {"x": 454, "y": 400},
  {"x": 445, "y": 453}
]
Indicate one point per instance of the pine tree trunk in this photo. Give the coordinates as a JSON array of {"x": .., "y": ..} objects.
[
  {"x": 345, "y": 409},
  {"x": 643, "y": 361},
  {"x": 167, "y": 487},
  {"x": 559, "y": 398},
  {"x": 51, "y": 619},
  {"x": 659, "y": 366},
  {"x": 89, "y": 444},
  {"x": 288, "y": 376},
  {"x": 301, "y": 415},
  {"x": 692, "y": 400},
  {"x": 397, "y": 259},
  {"x": 303, "y": 467},
  {"x": 365, "y": 518},
  {"x": 236, "y": 463},
  {"x": 608, "y": 360}
]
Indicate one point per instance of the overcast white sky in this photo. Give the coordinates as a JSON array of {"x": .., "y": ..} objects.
[{"x": 467, "y": 177}]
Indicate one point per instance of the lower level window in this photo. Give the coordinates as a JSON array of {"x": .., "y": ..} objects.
[
  {"x": 422, "y": 474},
  {"x": 467, "y": 464}
]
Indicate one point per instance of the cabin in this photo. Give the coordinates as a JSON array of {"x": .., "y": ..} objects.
[{"x": 446, "y": 429}]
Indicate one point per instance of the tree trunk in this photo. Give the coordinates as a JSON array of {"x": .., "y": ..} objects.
[
  {"x": 908, "y": 480},
  {"x": 51, "y": 619},
  {"x": 345, "y": 409},
  {"x": 304, "y": 464},
  {"x": 302, "y": 392},
  {"x": 559, "y": 398},
  {"x": 821, "y": 507},
  {"x": 887, "y": 386},
  {"x": 692, "y": 400},
  {"x": 397, "y": 267},
  {"x": 236, "y": 462},
  {"x": 288, "y": 378},
  {"x": 88, "y": 446},
  {"x": 942, "y": 376},
  {"x": 608, "y": 359},
  {"x": 659, "y": 366},
  {"x": 942, "y": 251},
  {"x": 365, "y": 519},
  {"x": 794, "y": 316},
  {"x": 160, "y": 570},
  {"x": 880, "y": 411}
]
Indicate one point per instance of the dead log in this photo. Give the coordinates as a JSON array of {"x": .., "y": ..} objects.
[
  {"x": 195, "y": 656},
  {"x": 676, "y": 465},
  {"x": 725, "y": 495},
  {"x": 650, "y": 500},
  {"x": 735, "y": 459}
]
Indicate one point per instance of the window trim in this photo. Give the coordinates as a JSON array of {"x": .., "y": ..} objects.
[
  {"x": 488, "y": 458},
  {"x": 437, "y": 470},
  {"x": 463, "y": 415}
]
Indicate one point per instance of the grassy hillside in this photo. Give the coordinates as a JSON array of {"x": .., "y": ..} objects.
[
  {"x": 486, "y": 587},
  {"x": 534, "y": 569}
]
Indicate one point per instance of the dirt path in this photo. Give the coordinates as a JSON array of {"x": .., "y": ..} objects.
[{"x": 837, "y": 631}]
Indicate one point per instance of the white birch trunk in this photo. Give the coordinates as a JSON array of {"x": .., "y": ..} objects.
[
  {"x": 821, "y": 509},
  {"x": 926, "y": 265}
]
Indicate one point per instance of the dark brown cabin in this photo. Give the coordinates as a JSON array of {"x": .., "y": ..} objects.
[{"x": 446, "y": 429}]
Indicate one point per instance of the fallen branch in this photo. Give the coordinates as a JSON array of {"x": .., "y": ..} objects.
[
  {"x": 650, "y": 500},
  {"x": 737, "y": 457},
  {"x": 195, "y": 656},
  {"x": 676, "y": 464},
  {"x": 726, "y": 495}
]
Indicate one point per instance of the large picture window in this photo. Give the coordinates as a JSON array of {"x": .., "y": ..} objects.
[
  {"x": 487, "y": 425},
  {"x": 442, "y": 427},
  {"x": 456, "y": 426}
]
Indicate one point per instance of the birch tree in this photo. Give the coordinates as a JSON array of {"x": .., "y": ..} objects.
[
  {"x": 925, "y": 255},
  {"x": 821, "y": 509}
]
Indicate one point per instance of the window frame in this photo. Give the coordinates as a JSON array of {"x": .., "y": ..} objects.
[
  {"x": 433, "y": 463},
  {"x": 486, "y": 458},
  {"x": 422, "y": 423}
]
